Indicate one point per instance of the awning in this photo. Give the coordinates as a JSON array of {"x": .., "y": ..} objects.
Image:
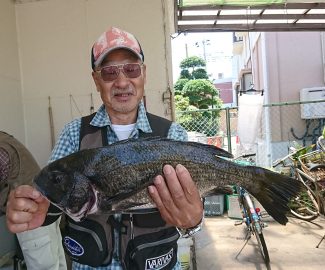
[{"x": 239, "y": 15}]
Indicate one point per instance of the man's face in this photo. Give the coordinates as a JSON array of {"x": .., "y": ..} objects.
[{"x": 122, "y": 95}]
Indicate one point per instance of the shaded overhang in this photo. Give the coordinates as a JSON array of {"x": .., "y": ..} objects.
[{"x": 240, "y": 15}]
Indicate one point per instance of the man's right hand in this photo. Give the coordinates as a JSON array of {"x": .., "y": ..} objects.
[{"x": 26, "y": 209}]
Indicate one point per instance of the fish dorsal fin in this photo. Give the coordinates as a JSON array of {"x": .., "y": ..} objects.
[
  {"x": 214, "y": 150},
  {"x": 227, "y": 190},
  {"x": 153, "y": 139}
]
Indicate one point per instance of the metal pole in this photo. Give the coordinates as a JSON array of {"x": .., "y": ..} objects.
[
  {"x": 228, "y": 129},
  {"x": 204, "y": 53},
  {"x": 51, "y": 124}
]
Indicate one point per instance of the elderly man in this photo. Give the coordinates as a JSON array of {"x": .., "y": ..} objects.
[{"x": 147, "y": 240}]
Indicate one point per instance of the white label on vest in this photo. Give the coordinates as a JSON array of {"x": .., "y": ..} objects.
[
  {"x": 73, "y": 246},
  {"x": 159, "y": 262}
]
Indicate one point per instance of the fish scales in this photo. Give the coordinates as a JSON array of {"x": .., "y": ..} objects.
[
  {"x": 147, "y": 159},
  {"x": 116, "y": 177}
]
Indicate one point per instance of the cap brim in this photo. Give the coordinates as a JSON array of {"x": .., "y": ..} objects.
[{"x": 104, "y": 54}]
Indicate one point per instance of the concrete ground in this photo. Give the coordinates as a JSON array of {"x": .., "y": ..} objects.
[{"x": 290, "y": 247}]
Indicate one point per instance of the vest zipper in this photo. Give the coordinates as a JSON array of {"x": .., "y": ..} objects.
[
  {"x": 92, "y": 233},
  {"x": 131, "y": 227}
]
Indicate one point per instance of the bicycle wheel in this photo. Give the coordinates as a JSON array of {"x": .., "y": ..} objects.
[
  {"x": 256, "y": 229},
  {"x": 305, "y": 205},
  {"x": 261, "y": 242}
]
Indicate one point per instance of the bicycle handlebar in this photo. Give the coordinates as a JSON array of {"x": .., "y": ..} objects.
[
  {"x": 279, "y": 161},
  {"x": 245, "y": 156},
  {"x": 248, "y": 155}
]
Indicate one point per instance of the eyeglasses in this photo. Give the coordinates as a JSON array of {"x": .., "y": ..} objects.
[{"x": 110, "y": 73}]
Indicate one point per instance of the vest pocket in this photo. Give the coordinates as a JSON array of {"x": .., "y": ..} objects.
[
  {"x": 157, "y": 250},
  {"x": 88, "y": 242},
  {"x": 150, "y": 220}
]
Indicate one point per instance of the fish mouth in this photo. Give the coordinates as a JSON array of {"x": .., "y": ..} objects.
[
  {"x": 134, "y": 208},
  {"x": 89, "y": 208}
]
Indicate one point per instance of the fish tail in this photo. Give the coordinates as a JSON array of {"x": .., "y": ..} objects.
[{"x": 274, "y": 191}]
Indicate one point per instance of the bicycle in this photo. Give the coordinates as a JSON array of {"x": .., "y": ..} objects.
[
  {"x": 306, "y": 205},
  {"x": 321, "y": 146},
  {"x": 252, "y": 217},
  {"x": 321, "y": 143},
  {"x": 313, "y": 166}
]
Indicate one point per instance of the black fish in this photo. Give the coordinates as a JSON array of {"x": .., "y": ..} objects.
[{"x": 115, "y": 178}]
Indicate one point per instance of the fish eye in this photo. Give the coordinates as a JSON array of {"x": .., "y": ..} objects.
[{"x": 57, "y": 177}]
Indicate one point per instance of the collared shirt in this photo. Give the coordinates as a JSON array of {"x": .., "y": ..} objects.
[
  {"x": 68, "y": 143},
  {"x": 4, "y": 164}
]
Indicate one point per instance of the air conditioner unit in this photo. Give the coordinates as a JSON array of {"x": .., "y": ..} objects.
[{"x": 312, "y": 110}]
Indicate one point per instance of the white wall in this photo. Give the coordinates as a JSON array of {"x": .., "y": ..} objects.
[
  {"x": 11, "y": 110},
  {"x": 55, "y": 38},
  {"x": 294, "y": 62},
  {"x": 284, "y": 63}
]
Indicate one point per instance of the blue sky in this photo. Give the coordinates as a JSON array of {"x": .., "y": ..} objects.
[{"x": 217, "y": 47}]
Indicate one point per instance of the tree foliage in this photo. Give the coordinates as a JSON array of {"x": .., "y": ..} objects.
[
  {"x": 192, "y": 119},
  {"x": 185, "y": 74},
  {"x": 183, "y": 103},
  {"x": 192, "y": 62},
  {"x": 193, "y": 92},
  {"x": 200, "y": 73},
  {"x": 202, "y": 94},
  {"x": 179, "y": 85}
]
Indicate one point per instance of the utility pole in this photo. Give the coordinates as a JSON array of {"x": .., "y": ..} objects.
[
  {"x": 204, "y": 43},
  {"x": 204, "y": 53},
  {"x": 186, "y": 50}
]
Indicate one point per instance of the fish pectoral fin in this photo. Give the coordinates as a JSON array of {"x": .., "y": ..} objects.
[
  {"x": 124, "y": 206},
  {"x": 227, "y": 190}
]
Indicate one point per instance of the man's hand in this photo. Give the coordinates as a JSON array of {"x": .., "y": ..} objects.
[
  {"x": 26, "y": 209},
  {"x": 177, "y": 197}
]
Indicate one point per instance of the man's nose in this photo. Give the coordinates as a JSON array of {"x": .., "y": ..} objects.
[{"x": 121, "y": 79}]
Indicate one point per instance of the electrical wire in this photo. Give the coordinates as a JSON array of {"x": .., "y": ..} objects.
[
  {"x": 249, "y": 47},
  {"x": 51, "y": 124},
  {"x": 91, "y": 103},
  {"x": 72, "y": 100}
]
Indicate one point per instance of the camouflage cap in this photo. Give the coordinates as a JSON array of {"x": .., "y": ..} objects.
[{"x": 113, "y": 39}]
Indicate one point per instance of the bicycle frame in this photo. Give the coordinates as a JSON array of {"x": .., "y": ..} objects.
[
  {"x": 250, "y": 215},
  {"x": 306, "y": 205},
  {"x": 314, "y": 196},
  {"x": 253, "y": 222}
]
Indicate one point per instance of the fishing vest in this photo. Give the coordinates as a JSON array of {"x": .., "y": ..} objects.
[
  {"x": 23, "y": 167},
  {"x": 145, "y": 241}
]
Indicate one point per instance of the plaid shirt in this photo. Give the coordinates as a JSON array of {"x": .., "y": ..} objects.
[
  {"x": 68, "y": 143},
  {"x": 4, "y": 164}
]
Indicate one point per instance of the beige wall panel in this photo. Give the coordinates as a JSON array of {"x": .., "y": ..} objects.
[
  {"x": 11, "y": 110},
  {"x": 143, "y": 19},
  {"x": 53, "y": 46},
  {"x": 301, "y": 68},
  {"x": 302, "y": 53},
  {"x": 55, "y": 38}
]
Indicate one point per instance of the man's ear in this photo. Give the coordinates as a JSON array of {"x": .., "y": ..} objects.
[
  {"x": 144, "y": 73},
  {"x": 96, "y": 80}
]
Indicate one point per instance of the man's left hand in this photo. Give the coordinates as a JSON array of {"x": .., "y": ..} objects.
[{"x": 177, "y": 197}]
